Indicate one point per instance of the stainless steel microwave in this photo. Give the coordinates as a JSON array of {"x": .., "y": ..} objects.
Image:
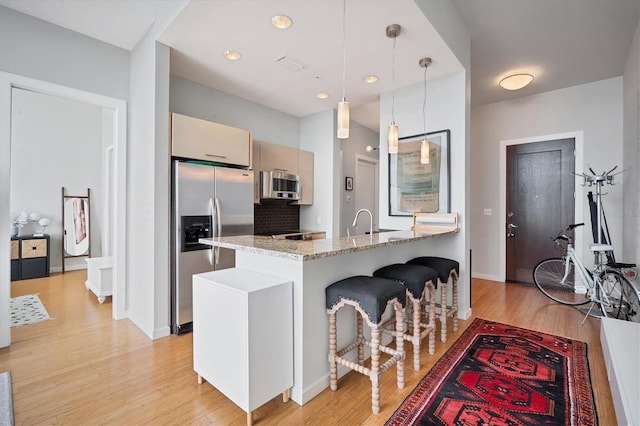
[{"x": 275, "y": 185}]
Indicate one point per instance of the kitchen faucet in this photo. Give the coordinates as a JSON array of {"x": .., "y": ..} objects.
[{"x": 370, "y": 220}]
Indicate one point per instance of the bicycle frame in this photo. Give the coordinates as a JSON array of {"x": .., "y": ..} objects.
[
  {"x": 571, "y": 256},
  {"x": 590, "y": 281}
]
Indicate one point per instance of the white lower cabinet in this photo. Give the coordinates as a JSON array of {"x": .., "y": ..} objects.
[{"x": 243, "y": 335}]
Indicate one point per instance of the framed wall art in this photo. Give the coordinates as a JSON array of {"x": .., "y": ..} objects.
[
  {"x": 417, "y": 187},
  {"x": 348, "y": 183}
]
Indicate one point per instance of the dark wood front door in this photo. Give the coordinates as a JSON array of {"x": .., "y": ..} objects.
[{"x": 540, "y": 202}]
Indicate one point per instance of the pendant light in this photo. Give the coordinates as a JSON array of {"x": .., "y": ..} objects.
[
  {"x": 343, "y": 105},
  {"x": 424, "y": 146},
  {"x": 393, "y": 31}
]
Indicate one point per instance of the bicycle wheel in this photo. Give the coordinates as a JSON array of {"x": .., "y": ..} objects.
[
  {"x": 618, "y": 297},
  {"x": 548, "y": 278}
]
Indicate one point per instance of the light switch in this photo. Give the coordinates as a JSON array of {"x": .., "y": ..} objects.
[{"x": 488, "y": 212}]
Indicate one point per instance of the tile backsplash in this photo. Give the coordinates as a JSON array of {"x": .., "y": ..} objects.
[{"x": 275, "y": 218}]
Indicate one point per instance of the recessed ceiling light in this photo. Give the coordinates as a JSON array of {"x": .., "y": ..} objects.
[
  {"x": 322, "y": 95},
  {"x": 516, "y": 81},
  {"x": 232, "y": 55},
  {"x": 370, "y": 79},
  {"x": 281, "y": 21}
]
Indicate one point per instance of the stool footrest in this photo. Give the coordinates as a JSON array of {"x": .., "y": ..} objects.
[
  {"x": 351, "y": 347},
  {"x": 387, "y": 328}
]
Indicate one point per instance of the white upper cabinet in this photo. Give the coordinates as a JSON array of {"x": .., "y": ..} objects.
[
  {"x": 206, "y": 140},
  {"x": 280, "y": 158},
  {"x": 269, "y": 157},
  {"x": 305, "y": 170}
]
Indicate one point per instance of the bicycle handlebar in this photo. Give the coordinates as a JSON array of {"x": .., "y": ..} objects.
[{"x": 562, "y": 236}]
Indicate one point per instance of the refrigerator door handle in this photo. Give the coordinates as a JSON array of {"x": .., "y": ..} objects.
[
  {"x": 219, "y": 230},
  {"x": 211, "y": 213}
]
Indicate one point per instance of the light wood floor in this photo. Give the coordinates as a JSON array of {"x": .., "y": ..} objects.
[{"x": 83, "y": 368}]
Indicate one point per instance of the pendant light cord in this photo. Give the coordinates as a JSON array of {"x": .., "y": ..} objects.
[
  {"x": 424, "y": 104},
  {"x": 393, "y": 79},
  {"x": 344, "y": 46}
]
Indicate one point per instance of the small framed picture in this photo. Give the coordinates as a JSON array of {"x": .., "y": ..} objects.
[{"x": 348, "y": 183}]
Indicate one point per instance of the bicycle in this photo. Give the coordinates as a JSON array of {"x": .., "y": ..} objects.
[{"x": 605, "y": 287}]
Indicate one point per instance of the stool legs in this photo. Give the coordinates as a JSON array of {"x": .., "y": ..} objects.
[
  {"x": 333, "y": 365},
  {"x": 374, "y": 372},
  {"x": 443, "y": 312},
  {"x": 454, "y": 301},
  {"x": 360, "y": 338},
  {"x": 399, "y": 344},
  {"x": 449, "y": 310},
  {"x": 415, "y": 339},
  {"x": 432, "y": 318}
]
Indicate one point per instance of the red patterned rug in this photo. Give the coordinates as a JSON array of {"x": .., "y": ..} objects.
[{"x": 497, "y": 374}]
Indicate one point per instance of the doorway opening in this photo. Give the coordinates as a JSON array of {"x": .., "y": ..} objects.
[
  {"x": 115, "y": 109},
  {"x": 366, "y": 188}
]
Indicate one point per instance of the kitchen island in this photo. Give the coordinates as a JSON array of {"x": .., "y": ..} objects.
[{"x": 312, "y": 266}]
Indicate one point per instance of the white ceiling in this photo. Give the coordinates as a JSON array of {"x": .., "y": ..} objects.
[{"x": 562, "y": 42}]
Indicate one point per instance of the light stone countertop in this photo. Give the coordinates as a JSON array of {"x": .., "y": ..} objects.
[{"x": 315, "y": 249}]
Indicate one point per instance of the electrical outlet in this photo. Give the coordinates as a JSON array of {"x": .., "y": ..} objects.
[
  {"x": 488, "y": 212},
  {"x": 348, "y": 198}
]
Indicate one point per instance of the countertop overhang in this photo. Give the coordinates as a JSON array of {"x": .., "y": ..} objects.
[{"x": 316, "y": 249}]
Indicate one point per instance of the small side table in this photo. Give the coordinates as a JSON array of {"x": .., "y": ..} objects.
[
  {"x": 243, "y": 335},
  {"x": 100, "y": 277}
]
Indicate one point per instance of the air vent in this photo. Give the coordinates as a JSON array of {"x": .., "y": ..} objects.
[{"x": 290, "y": 64}]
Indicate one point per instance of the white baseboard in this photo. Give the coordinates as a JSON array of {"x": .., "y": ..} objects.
[
  {"x": 68, "y": 268},
  {"x": 486, "y": 277}
]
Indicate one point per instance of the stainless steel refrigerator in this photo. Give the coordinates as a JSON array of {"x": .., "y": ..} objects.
[{"x": 207, "y": 201}]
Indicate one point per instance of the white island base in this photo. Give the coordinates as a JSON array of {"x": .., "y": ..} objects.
[{"x": 314, "y": 265}]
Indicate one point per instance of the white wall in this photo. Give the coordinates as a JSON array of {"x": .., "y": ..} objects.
[
  {"x": 56, "y": 142},
  {"x": 318, "y": 134},
  {"x": 447, "y": 103},
  {"x": 595, "y": 109},
  {"x": 631, "y": 153},
  {"x": 148, "y": 180},
  {"x": 34, "y": 48},
  {"x": 265, "y": 124},
  {"x": 359, "y": 138}
]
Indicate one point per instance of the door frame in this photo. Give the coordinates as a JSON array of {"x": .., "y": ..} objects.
[
  {"x": 376, "y": 187},
  {"x": 118, "y": 107},
  {"x": 578, "y": 136}
]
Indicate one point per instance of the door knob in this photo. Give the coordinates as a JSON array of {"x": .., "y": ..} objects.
[{"x": 510, "y": 233}]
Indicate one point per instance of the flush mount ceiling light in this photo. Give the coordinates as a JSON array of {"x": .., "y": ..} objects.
[
  {"x": 232, "y": 55},
  {"x": 281, "y": 22},
  {"x": 516, "y": 81},
  {"x": 393, "y": 31},
  {"x": 343, "y": 105},
  {"x": 370, "y": 79},
  {"x": 322, "y": 95}
]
